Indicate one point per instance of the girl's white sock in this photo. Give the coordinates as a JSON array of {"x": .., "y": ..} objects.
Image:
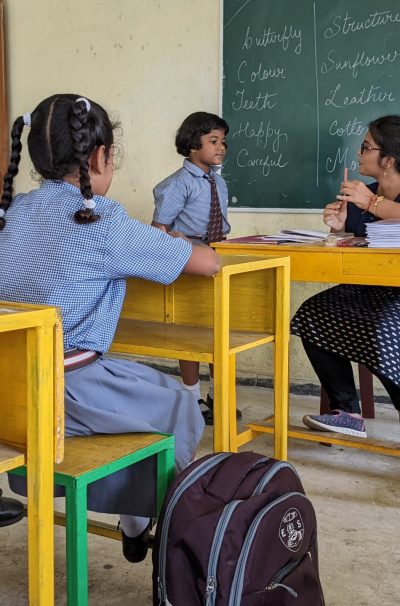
[
  {"x": 194, "y": 389},
  {"x": 133, "y": 526}
]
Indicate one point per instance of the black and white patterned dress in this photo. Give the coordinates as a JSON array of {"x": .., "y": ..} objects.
[{"x": 360, "y": 323}]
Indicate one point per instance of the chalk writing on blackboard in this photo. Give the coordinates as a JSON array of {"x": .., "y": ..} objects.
[{"x": 301, "y": 82}]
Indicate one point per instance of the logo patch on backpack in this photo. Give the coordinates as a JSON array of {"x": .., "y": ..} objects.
[{"x": 291, "y": 529}]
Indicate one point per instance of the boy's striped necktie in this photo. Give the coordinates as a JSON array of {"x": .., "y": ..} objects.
[{"x": 215, "y": 225}]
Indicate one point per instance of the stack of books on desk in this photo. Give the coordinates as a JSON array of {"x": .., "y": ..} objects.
[
  {"x": 285, "y": 236},
  {"x": 383, "y": 234},
  {"x": 295, "y": 236},
  {"x": 306, "y": 236}
]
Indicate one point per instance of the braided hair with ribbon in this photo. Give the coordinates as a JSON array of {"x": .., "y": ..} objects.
[{"x": 65, "y": 130}]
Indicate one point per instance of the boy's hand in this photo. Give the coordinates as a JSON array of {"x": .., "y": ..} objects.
[
  {"x": 161, "y": 226},
  {"x": 173, "y": 234},
  {"x": 178, "y": 234}
]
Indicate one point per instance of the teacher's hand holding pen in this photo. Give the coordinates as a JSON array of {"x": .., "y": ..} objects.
[
  {"x": 335, "y": 214},
  {"x": 356, "y": 192}
]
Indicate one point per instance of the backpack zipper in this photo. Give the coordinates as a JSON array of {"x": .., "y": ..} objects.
[
  {"x": 223, "y": 522},
  {"x": 267, "y": 477},
  {"x": 210, "y": 594},
  {"x": 188, "y": 481},
  {"x": 238, "y": 579},
  {"x": 289, "y": 589},
  {"x": 284, "y": 572}
]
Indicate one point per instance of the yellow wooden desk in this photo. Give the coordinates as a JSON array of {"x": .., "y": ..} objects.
[
  {"x": 211, "y": 320},
  {"x": 337, "y": 265},
  {"x": 32, "y": 424},
  {"x": 319, "y": 263}
]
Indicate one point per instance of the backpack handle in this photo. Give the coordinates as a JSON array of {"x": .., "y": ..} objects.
[{"x": 231, "y": 472}]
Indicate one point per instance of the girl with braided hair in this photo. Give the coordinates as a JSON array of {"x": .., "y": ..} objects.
[{"x": 67, "y": 244}]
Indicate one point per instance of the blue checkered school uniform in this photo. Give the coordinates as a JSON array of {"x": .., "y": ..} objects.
[
  {"x": 183, "y": 201},
  {"x": 47, "y": 258}
]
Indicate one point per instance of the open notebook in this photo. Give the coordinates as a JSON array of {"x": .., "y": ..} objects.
[{"x": 288, "y": 236}]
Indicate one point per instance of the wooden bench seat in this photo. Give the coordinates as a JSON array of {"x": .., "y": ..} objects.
[{"x": 90, "y": 458}]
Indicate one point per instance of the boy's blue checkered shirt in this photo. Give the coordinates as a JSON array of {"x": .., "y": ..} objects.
[
  {"x": 47, "y": 258},
  {"x": 183, "y": 200}
]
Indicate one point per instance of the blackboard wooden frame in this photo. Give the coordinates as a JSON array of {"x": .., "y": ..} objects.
[
  {"x": 4, "y": 151},
  {"x": 380, "y": 40}
]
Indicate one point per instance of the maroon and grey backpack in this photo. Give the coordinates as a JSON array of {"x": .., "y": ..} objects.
[{"x": 236, "y": 530}]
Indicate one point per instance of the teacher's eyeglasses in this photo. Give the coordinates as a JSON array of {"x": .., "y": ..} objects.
[{"x": 365, "y": 146}]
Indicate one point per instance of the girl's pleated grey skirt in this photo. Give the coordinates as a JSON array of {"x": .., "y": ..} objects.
[{"x": 120, "y": 396}]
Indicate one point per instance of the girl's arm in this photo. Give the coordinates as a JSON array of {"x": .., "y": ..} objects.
[
  {"x": 135, "y": 249},
  {"x": 203, "y": 261}
]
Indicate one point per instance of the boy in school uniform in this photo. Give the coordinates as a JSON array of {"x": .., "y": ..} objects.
[{"x": 194, "y": 201}]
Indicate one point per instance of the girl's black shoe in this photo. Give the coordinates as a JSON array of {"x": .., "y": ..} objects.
[
  {"x": 11, "y": 510},
  {"x": 209, "y": 414},
  {"x": 135, "y": 549}
]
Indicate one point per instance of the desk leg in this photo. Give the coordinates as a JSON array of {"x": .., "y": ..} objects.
[
  {"x": 281, "y": 358},
  {"x": 165, "y": 471},
  {"x": 77, "y": 543},
  {"x": 233, "y": 445},
  {"x": 221, "y": 364},
  {"x": 222, "y": 427},
  {"x": 40, "y": 466}
]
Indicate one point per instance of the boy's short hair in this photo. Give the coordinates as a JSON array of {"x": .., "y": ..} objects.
[{"x": 193, "y": 127}]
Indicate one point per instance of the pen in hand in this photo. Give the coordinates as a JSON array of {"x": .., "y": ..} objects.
[{"x": 345, "y": 174}]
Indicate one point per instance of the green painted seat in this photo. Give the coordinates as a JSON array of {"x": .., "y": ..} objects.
[{"x": 86, "y": 460}]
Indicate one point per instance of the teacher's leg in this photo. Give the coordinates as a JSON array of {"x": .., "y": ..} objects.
[
  {"x": 392, "y": 389},
  {"x": 336, "y": 377}
]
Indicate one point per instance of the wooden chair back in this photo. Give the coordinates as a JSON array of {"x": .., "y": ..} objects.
[{"x": 28, "y": 333}]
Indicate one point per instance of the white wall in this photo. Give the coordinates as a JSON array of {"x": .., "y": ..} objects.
[{"x": 149, "y": 63}]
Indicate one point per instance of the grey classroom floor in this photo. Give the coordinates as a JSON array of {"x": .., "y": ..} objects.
[{"x": 355, "y": 495}]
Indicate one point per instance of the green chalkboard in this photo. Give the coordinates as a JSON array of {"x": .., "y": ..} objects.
[{"x": 301, "y": 81}]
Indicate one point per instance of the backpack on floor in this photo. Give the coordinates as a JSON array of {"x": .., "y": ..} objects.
[{"x": 236, "y": 530}]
